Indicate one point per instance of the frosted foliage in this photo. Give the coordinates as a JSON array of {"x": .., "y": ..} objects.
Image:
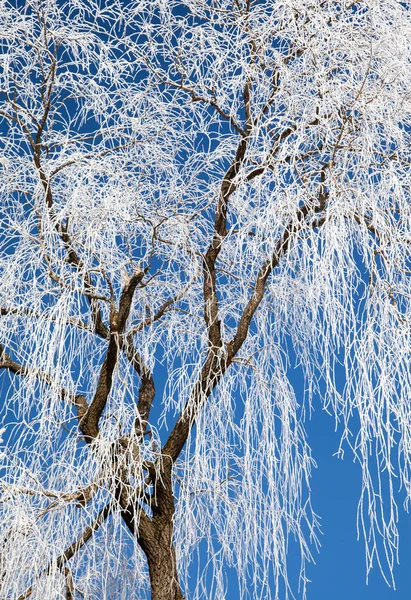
[{"x": 203, "y": 195}]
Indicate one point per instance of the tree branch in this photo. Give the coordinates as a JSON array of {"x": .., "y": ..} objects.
[
  {"x": 75, "y": 546},
  {"x": 211, "y": 373},
  {"x": 216, "y": 365},
  {"x": 281, "y": 249},
  {"x": 118, "y": 319},
  {"x": 196, "y": 98},
  {"x": 147, "y": 388},
  {"x": 39, "y": 315},
  {"x": 209, "y": 261},
  {"x": 77, "y": 400}
]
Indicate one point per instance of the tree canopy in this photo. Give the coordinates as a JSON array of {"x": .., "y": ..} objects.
[{"x": 196, "y": 197}]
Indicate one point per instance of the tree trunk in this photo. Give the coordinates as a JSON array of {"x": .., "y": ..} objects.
[
  {"x": 155, "y": 537},
  {"x": 157, "y": 544}
]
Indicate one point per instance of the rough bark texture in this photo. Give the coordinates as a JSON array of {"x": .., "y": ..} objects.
[
  {"x": 157, "y": 544},
  {"x": 155, "y": 537}
]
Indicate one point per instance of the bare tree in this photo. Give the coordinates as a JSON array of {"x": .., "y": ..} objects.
[{"x": 196, "y": 196}]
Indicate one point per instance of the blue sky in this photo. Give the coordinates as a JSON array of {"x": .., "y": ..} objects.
[{"x": 340, "y": 570}]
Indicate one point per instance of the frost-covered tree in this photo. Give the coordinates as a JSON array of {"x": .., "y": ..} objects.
[{"x": 196, "y": 196}]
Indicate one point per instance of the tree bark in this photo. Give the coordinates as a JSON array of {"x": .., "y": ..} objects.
[
  {"x": 155, "y": 537},
  {"x": 157, "y": 544}
]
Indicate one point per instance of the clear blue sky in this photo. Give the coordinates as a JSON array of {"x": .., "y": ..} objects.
[{"x": 340, "y": 570}]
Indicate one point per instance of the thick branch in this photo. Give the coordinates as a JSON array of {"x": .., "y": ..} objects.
[
  {"x": 127, "y": 297},
  {"x": 210, "y": 257},
  {"x": 216, "y": 365},
  {"x": 147, "y": 388},
  {"x": 281, "y": 249},
  {"x": 118, "y": 319},
  {"x": 89, "y": 425},
  {"x": 211, "y": 373}
]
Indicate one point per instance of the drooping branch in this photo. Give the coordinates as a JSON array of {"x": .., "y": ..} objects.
[
  {"x": 216, "y": 365},
  {"x": 78, "y": 400},
  {"x": 74, "y": 547},
  {"x": 263, "y": 274}
]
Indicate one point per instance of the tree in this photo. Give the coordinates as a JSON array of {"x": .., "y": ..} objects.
[{"x": 197, "y": 196}]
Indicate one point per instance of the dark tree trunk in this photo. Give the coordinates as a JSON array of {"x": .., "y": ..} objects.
[
  {"x": 155, "y": 537},
  {"x": 158, "y": 547}
]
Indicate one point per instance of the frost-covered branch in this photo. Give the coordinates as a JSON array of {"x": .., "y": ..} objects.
[
  {"x": 73, "y": 548},
  {"x": 196, "y": 197},
  {"x": 77, "y": 400}
]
